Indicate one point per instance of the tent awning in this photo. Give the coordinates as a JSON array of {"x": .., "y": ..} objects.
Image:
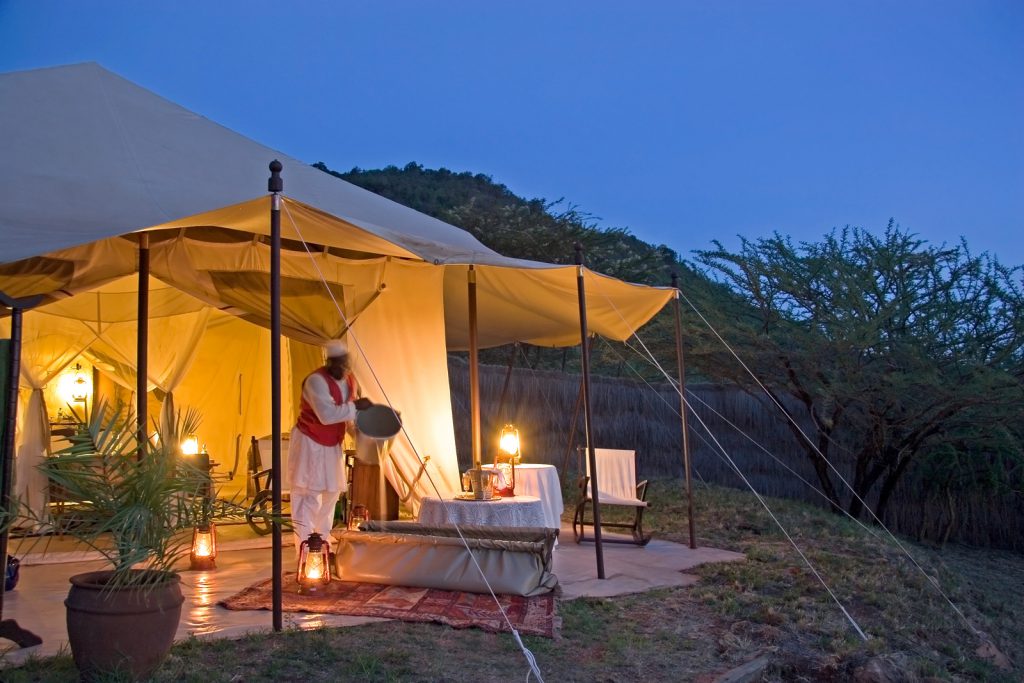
[{"x": 91, "y": 158}]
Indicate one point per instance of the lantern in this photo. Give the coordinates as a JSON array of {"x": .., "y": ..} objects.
[
  {"x": 80, "y": 388},
  {"x": 204, "y": 547},
  {"x": 509, "y": 442},
  {"x": 314, "y": 570},
  {"x": 506, "y": 459},
  {"x": 190, "y": 445},
  {"x": 75, "y": 386}
]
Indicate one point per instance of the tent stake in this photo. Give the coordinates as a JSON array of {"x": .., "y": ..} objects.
[
  {"x": 9, "y": 628},
  {"x": 587, "y": 418},
  {"x": 275, "y": 185},
  {"x": 682, "y": 411}
]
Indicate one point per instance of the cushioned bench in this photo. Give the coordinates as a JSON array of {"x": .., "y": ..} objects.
[{"x": 515, "y": 560}]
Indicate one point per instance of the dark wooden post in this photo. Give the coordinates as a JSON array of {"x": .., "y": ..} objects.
[
  {"x": 142, "y": 349},
  {"x": 9, "y": 628},
  {"x": 275, "y": 185},
  {"x": 587, "y": 415},
  {"x": 474, "y": 373},
  {"x": 682, "y": 411}
]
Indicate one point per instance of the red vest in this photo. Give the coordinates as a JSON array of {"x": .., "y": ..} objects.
[{"x": 310, "y": 425}]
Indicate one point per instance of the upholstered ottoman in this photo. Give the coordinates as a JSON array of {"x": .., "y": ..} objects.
[{"x": 515, "y": 560}]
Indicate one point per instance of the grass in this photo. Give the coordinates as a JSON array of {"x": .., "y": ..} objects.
[{"x": 769, "y": 605}]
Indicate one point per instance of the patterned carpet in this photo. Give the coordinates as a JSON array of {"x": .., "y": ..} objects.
[{"x": 530, "y": 616}]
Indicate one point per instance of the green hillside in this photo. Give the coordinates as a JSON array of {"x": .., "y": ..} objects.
[{"x": 535, "y": 229}]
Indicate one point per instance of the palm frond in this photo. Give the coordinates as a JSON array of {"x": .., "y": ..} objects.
[{"x": 132, "y": 507}]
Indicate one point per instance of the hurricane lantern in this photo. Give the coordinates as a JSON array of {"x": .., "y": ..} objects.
[
  {"x": 190, "y": 445},
  {"x": 204, "y": 547},
  {"x": 509, "y": 442},
  {"x": 314, "y": 569},
  {"x": 506, "y": 459},
  {"x": 75, "y": 386},
  {"x": 80, "y": 389}
]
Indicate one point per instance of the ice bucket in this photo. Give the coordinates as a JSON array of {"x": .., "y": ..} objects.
[{"x": 481, "y": 482}]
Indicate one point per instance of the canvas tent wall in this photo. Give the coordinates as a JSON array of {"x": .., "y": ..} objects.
[{"x": 92, "y": 160}]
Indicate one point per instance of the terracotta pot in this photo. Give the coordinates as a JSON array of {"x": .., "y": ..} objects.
[{"x": 123, "y": 629}]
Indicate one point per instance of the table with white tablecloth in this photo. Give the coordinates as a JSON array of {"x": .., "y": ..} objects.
[
  {"x": 542, "y": 481},
  {"x": 523, "y": 511}
]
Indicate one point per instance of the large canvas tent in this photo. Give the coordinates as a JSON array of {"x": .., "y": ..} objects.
[{"x": 92, "y": 161}]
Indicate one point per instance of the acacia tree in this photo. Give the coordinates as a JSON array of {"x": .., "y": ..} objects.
[{"x": 894, "y": 350}]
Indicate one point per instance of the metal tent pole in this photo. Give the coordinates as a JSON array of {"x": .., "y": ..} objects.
[
  {"x": 474, "y": 373},
  {"x": 682, "y": 410},
  {"x": 9, "y": 628},
  {"x": 587, "y": 415},
  {"x": 275, "y": 185},
  {"x": 142, "y": 349}
]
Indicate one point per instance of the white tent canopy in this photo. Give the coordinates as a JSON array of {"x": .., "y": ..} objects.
[{"x": 90, "y": 160}]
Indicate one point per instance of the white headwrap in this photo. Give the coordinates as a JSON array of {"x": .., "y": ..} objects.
[{"x": 335, "y": 348}]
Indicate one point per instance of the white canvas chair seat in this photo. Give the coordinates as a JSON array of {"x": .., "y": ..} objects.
[
  {"x": 616, "y": 486},
  {"x": 615, "y": 500}
]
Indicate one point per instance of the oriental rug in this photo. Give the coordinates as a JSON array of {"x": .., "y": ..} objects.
[{"x": 530, "y": 616}]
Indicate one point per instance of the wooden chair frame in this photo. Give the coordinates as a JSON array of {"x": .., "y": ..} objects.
[
  {"x": 580, "y": 521},
  {"x": 259, "y": 513}
]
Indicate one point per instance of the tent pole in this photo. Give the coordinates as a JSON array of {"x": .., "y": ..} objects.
[
  {"x": 474, "y": 372},
  {"x": 9, "y": 628},
  {"x": 142, "y": 349},
  {"x": 275, "y": 185},
  {"x": 682, "y": 411},
  {"x": 587, "y": 416}
]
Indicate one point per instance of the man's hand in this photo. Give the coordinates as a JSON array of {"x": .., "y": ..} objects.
[{"x": 363, "y": 403}]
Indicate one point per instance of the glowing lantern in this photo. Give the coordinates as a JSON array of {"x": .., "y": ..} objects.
[
  {"x": 190, "y": 445},
  {"x": 509, "y": 441},
  {"x": 506, "y": 459},
  {"x": 204, "y": 547},
  {"x": 75, "y": 386},
  {"x": 80, "y": 389},
  {"x": 314, "y": 569}
]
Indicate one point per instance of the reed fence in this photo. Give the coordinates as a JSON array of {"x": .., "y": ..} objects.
[{"x": 632, "y": 414}]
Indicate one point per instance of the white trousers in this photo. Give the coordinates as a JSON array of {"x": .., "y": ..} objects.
[{"x": 312, "y": 511}]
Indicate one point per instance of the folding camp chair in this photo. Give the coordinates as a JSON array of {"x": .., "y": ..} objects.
[
  {"x": 259, "y": 514},
  {"x": 616, "y": 477}
]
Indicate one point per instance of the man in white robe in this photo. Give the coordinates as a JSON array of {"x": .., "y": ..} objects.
[{"x": 316, "y": 458}]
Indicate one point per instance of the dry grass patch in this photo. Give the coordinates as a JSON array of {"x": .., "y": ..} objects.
[{"x": 771, "y": 604}]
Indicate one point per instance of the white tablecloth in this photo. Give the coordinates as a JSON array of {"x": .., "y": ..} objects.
[
  {"x": 517, "y": 511},
  {"x": 542, "y": 481}
]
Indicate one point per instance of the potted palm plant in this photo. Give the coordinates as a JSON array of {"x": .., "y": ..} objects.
[{"x": 135, "y": 507}]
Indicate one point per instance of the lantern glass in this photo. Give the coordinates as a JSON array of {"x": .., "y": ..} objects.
[
  {"x": 80, "y": 392},
  {"x": 509, "y": 441},
  {"x": 204, "y": 547},
  {"x": 314, "y": 568}
]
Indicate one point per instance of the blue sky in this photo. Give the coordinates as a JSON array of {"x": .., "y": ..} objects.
[{"x": 682, "y": 121}]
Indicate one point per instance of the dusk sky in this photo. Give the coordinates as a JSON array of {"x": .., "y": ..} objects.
[{"x": 682, "y": 121}]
